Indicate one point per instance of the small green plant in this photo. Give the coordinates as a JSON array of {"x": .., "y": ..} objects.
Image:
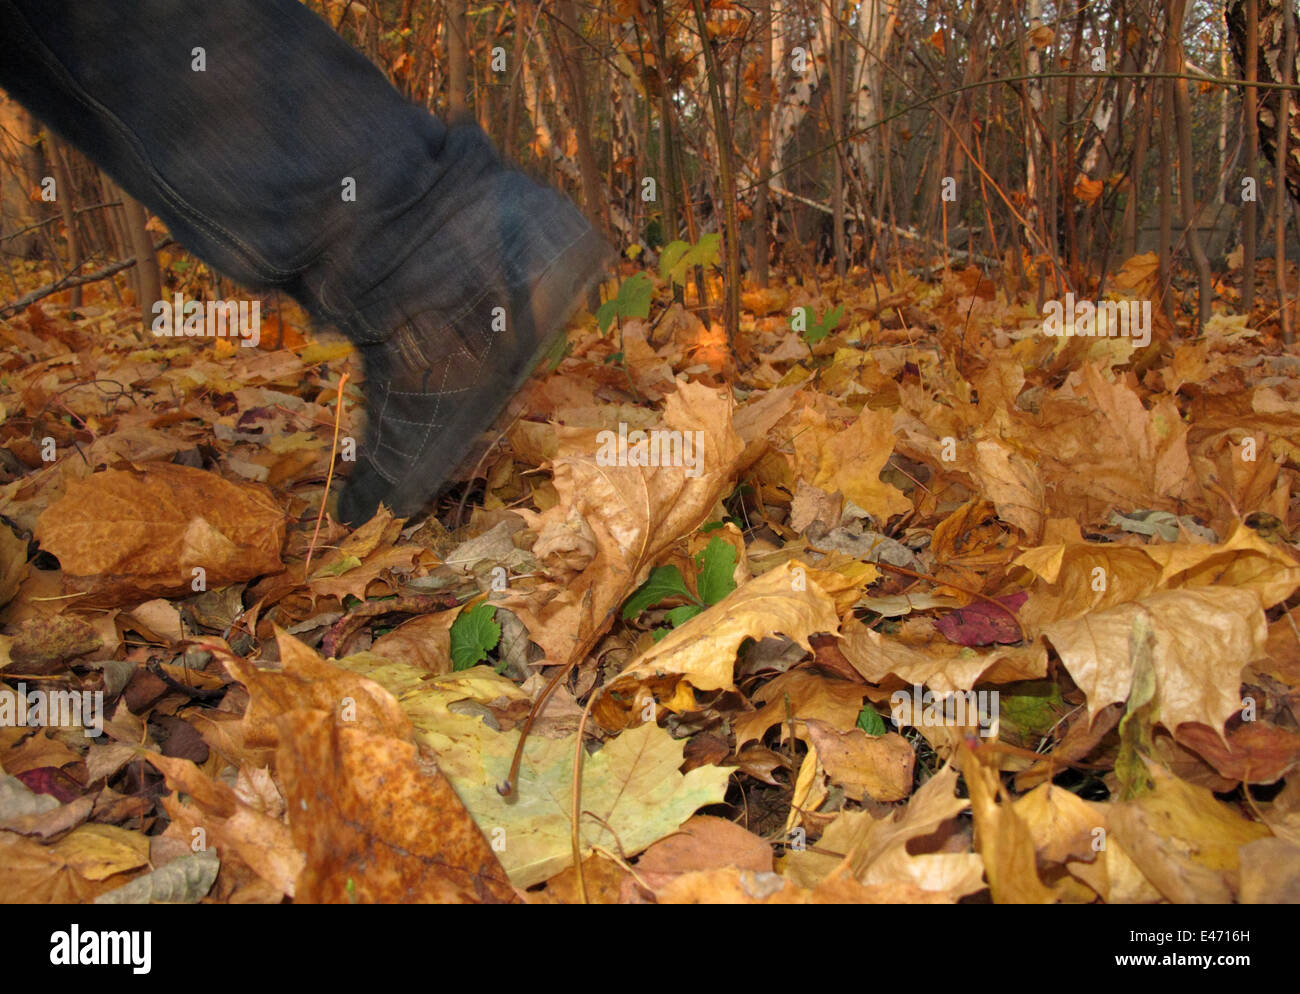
[
  {"x": 474, "y": 634},
  {"x": 869, "y": 721},
  {"x": 715, "y": 579},
  {"x": 812, "y": 328},
  {"x": 632, "y": 301},
  {"x": 678, "y": 257}
]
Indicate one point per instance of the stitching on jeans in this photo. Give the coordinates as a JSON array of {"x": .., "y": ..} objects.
[
  {"x": 428, "y": 393},
  {"x": 409, "y": 460},
  {"x": 418, "y": 424}
]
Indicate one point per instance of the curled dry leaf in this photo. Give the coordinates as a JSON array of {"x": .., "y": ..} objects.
[
  {"x": 419, "y": 845},
  {"x": 633, "y": 513},
  {"x": 1203, "y": 638},
  {"x": 782, "y": 601},
  {"x": 230, "y": 824},
  {"x": 835, "y": 703},
  {"x": 702, "y": 843},
  {"x": 905, "y": 849},
  {"x": 1183, "y": 839},
  {"x": 1256, "y": 752},
  {"x": 1069, "y": 572},
  {"x": 850, "y": 461},
  {"x": 942, "y": 666},
  {"x": 1002, "y": 837},
  {"x": 344, "y": 740},
  {"x": 879, "y": 767},
  {"x": 131, "y": 535}
]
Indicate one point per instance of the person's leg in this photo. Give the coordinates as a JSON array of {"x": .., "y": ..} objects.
[{"x": 284, "y": 158}]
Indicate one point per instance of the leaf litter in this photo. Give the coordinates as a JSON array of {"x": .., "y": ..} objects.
[{"x": 1074, "y": 563}]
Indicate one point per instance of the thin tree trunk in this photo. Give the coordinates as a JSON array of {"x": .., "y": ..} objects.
[
  {"x": 564, "y": 29},
  {"x": 835, "y": 79},
  {"x": 1187, "y": 165},
  {"x": 1141, "y": 142},
  {"x": 457, "y": 60},
  {"x": 668, "y": 185},
  {"x": 1279, "y": 180},
  {"x": 726, "y": 166},
  {"x": 63, "y": 177},
  {"x": 1033, "y": 111},
  {"x": 150, "y": 280},
  {"x": 117, "y": 225},
  {"x": 1067, "y": 187},
  {"x": 1166, "y": 200},
  {"x": 760, "y": 247},
  {"x": 523, "y": 28},
  {"x": 1250, "y": 209}
]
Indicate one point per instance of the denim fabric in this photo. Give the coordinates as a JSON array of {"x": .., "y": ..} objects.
[{"x": 246, "y": 160}]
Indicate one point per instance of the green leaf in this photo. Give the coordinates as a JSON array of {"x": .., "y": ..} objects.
[
  {"x": 678, "y": 616},
  {"x": 606, "y": 313},
  {"x": 633, "y": 301},
  {"x": 823, "y": 326},
  {"x": 705, "y": 251},
  {"x": 1033, "y": 709},
  {"x": 717, "y": 576},
  {"x": 677, "y": 257},
  {"x": 664, "y": 582},
  {"x": 634, "y": 296},
  {"x": 474, "y": 634},
  {"x": 671, "y": 266},
  {"x": 869, "y": 721}
]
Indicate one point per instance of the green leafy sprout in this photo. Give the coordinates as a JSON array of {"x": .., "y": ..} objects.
[
  {"x": 715, "y": 579},
  {"x": 474, "y": 634}
]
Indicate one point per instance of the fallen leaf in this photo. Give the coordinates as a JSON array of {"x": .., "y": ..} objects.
[
  {"x": 130, "y": 535},
  {"x": 878, "y": 767}
]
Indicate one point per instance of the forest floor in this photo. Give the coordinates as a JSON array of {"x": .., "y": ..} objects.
[{"x": 927, "y": 605}]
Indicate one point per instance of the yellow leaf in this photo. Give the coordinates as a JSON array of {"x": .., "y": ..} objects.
[{"x": 783, "y": 600}]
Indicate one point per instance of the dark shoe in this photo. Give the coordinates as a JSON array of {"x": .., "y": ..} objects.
[{"x": 444, "y": 374}]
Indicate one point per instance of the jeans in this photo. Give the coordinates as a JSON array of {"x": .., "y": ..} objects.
[{"x": 249, "y": 160}]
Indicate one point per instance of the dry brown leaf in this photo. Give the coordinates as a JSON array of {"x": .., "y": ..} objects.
[
  {"x": 878, "y": 767},
  {"x": 1203, "y": 638},
  {"x": 734, "y": 886},
  {"x": 1063, "y": 825},
  {"x": 850, "y": 461},
  {"x": 1002, "y": 838},
  {"x": 1183, "y": 839},
  {"x": 343, "y": 740},
  {"x": 703, "y": 651},
  {"x": 130, "y": 535},
  {"x": 13, "y": 564},
  {"x": 307, "y": 682},
  {"x": 32, "y": 873},
  {"x": 702, "y": 843},
  {"x": 419, "y": 845},
  {"x": 836, "y": 703},
  {"x": 634, "y": 513},
  {"x": 1270, "y": 872},
  {"x": 214, "y": 815},
  {"x": 1256, "y": 752},
  {"x": 1098, "y": 447},
  {"x": 902, "y": 850},
  {"x": 944, "y": 667},
  {"x": 423, "y": 642}
]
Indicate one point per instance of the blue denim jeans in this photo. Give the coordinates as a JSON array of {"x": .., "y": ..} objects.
[{"x": 248, "y": 159}]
